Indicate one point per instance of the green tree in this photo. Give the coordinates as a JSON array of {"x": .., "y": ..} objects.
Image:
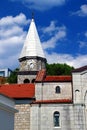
[
  {"x": 13, "y": 76},
  {"x": 58, "y": 69},
  {"x": 52, "y": 69}
]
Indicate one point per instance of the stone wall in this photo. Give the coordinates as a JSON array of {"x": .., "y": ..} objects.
[
  {"x": 22, "y": 118},
  {"x": 21, "y": 78},
  {"x": 46, "y": 91}
]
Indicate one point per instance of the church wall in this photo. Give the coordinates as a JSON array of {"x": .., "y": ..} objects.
[
  {"x": 71, "y": 117},
  {"x": 22, "y": 118},
  {"x": 47, "y": 91},
  {"x": 79, "y": 87}
]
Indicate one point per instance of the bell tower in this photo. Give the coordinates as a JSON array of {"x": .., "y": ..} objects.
[{"x": 32, "y": 57}]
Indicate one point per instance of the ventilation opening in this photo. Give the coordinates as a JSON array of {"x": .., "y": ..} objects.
[{"x": 26, "y": 81}]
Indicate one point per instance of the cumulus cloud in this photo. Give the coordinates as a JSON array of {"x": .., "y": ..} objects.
[
  {"x": 42, "y": 4},
  {"x": 57, "y": 33},
  {"x": 82, "y": 12},
  {"x": 77, "y": 61},
  {"x": 12, "y": 36},
  {"x": 17, "y": 20}
]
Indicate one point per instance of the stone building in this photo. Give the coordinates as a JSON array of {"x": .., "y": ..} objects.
[{"x": 46, "y": 102}]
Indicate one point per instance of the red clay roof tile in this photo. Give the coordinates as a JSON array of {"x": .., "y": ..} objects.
[
  {"x": 58, "y": 79},
  {"x": 18, "y": 90},
  {"x": 41, "y": 75},
  {"x": 53, "y": 101}
]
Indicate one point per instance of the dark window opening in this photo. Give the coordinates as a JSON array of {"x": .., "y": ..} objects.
[
  {"x": 33, "y": 80},
  {"x": 26, "y": 81},
  {"x": 56, "y": 119},
  {"x": 57, "y": 89}
]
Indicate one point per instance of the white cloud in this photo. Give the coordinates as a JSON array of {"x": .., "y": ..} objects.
[
  {"x": 57, "y": 33},
  {"x": 82, "y": 12},
  {"x": 82, "y": 44},
  {"x": 12, "y": 36},
  {"x": 77, "y": 61},
  {"x": 42, "y": 4}
]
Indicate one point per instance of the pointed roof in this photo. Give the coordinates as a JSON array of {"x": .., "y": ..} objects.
[{"x": 32, "y": 45}]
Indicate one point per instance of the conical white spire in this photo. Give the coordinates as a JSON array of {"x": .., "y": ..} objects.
[{"x": 32, "y": 45}]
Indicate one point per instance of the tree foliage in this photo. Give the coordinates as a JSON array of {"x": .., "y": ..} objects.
[
  {"x": 13, "y": 76},
  {"x": 59, "y": 69},
  {"x": 52, "y": 69}
]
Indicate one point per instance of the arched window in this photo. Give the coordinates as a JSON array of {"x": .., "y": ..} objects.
[
  {"x": 77, "y": 90},
  {"x": 26, "y": 81},
  {"x": 56, "y": 117},
  {"x": 33, "y": 80},
  {"x": 77, "y": 95},
  {"x": 57, "y": 89}
]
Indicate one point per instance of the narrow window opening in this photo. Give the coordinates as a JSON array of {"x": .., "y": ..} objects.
[
  {"x": 58, "y": 89},
  {"x": 56, "y": 119}
]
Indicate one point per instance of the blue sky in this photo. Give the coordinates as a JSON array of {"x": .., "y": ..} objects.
[{"x": 61, "y": 24}]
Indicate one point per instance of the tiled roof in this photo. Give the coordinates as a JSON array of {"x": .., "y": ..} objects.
[
  {"x": 80, "y": 69},
  {"x": 53, "y": 101},
  {"x": 58, "y": 79},
  {"x": 18, "y": 90},
  {"x": 41, "y": 75}
]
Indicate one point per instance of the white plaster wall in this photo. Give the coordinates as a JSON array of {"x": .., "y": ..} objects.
[
  {"x": 71, "y": 117},
  {"x": 79, "y": 83},
  {"x": 47, "y": 91},
  {"x": 76, "y": 79}
]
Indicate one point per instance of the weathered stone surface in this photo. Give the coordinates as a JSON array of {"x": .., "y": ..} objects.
[{"x": 22, "y": 118}]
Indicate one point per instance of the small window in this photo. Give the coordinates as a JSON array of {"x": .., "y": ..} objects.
[
  {"x": 77, "y": 95},
  {"x": 33, "y": 80},
  {"x": 56, "y": 119},
  {"x": 77, "y": 90},
  {"x": 26, "y": 81},
  {"x": 57, "y": 89}
]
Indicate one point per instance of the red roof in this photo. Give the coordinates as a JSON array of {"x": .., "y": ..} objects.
[
  {"x": 58, "y": 79},
  {"x": 18, "y": 90},
  {"x": 53, "y": 101},
  {"x": 41, "y": 75}
]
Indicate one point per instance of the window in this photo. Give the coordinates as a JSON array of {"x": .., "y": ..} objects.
[
  {"x": 33, "y": 80},
  {"x": 26, "y": 81},
  {"x": 57, "y": 89},
  {"x": 77, "y": 95},
  {"x": 76, "y": 90},
  {"x": 56, "y": 119}
]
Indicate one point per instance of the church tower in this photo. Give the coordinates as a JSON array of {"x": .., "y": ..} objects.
[{"x": 32, "y": 57}]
